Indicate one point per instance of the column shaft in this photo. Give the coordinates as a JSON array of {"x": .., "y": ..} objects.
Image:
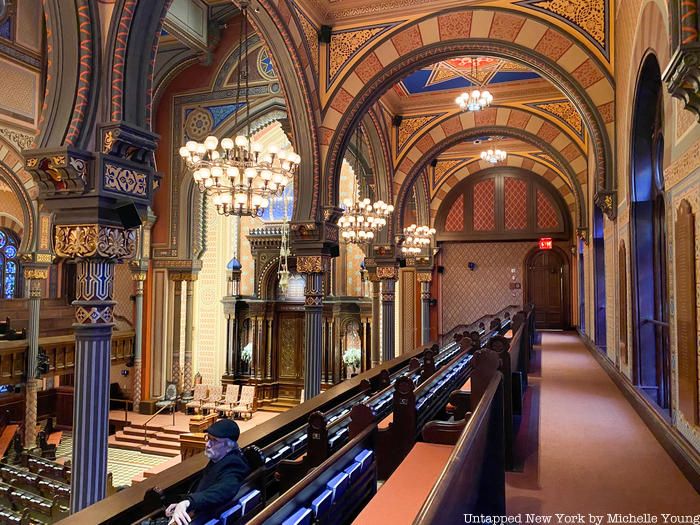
[
  {"x": 138, "y": 278},
  {"x": 313, "y": 318},
  {"x": 425, "y": 310},
  {"x": 30, "y": 404},
  {"x": 189, "y": 314},
  {"x": 177, "y": 329},
  {"x": 376, "y": 357},
  {"x": 93, "y": 343},
  {"x": 388, "y": 286}
]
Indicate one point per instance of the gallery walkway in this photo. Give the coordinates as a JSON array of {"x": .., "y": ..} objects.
[{"x": 584, "y": 447}]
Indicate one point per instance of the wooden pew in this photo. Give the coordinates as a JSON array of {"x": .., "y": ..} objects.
[{"x": 434, "y": 468}]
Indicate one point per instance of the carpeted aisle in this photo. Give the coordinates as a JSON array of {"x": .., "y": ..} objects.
[{"x": 585, "y": 449}]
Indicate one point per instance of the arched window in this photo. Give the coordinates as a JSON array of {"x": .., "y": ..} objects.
[{"x": 9, "y": 267}]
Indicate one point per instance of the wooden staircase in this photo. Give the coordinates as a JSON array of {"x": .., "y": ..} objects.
[
  {"x": 281, "y": 404},
  {"x": 162, "y": 441}
]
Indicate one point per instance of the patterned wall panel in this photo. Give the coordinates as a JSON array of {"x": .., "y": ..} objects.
[
  {"x": 123, "y": 290},
  {"x": 467, "y": 295},
  {"x": 515, "y": 203},
  {"x": 455, "y": 218},
  {"x": 483, "y": 210},
  {"x": 408, "y": 314},
  {"x": 10, "y": 205},
  {"x": 546, "y": 212},
  {"x": 18, "y": 92}
]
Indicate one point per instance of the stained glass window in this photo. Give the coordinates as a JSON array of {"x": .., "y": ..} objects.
[{"x": 8, "y": 263}]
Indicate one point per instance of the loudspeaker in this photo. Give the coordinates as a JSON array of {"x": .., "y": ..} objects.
[
  {"x": 128, "y": 214},
  {"x": 324, "y": 34},
  {"x": 335, "y": 251},
  {"x": 433, "y": 163},
  {"x": 441, "y": 269},
  {"x": 397, "y": 120},
  {"x": 402, "y": 263}
]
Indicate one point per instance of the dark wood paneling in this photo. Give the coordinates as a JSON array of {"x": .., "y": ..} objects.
[{"x": 686, "y": 314}]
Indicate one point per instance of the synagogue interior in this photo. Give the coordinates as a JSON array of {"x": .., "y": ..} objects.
[{"x": 438, "y": 260}]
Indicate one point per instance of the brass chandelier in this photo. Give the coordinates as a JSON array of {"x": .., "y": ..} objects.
[
  {"x": 240, "y": 174},
  {"x": 361, "y": 219},
  {"x": 476, "y": 99},
  {"x": 416, "y": 239},
  {"x": 493, "y": 156}
]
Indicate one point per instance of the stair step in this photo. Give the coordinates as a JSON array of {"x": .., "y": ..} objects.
[
  {"x": 128, "y": 438},
  {"x": 131, "y": 431},
  {"x": 149, "y": 449},
  {"x": 174, "y": 445}
]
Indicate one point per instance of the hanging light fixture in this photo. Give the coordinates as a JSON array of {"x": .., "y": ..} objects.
[
  {"x": 240, "y": 174},
  {"x": 494, "y": 156},
  {"x": 416, "y": 239},
  {"x": 361, "y": 219},
  {"x": 283, "y": 265},
  {"x": 476, "y": 99}
]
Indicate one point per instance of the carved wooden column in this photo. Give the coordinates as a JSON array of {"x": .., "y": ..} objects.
[
  {"x": 188, "y": 376},
  {"x": 34, "y": 276},
  {"x": 388, "y": 276},
  {"x": 376, "y": 344},
  {"x": 175, "y": 374},
  {"x": 96, "y": 249},
  {"x": 139, "y": 277},
  {"x": 313, "y": 266},
  {"x": 424, "y": 278}
]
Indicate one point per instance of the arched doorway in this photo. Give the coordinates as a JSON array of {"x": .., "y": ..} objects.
[
  {"x": 10, "y": 275},
  {"x": 546, "y": 286},
  {"x": 648, "y": 254},
  {"x": 599, "y": 279}
]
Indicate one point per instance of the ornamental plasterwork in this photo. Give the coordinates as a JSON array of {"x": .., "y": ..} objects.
[
  {"x": 21, "y": 140},
  {"x": 311, "y": 35},
  {"x": 125, "y": 180},
  {"x": 409, "y": 127},
  {"x": 387, "y": 272},
  {"x": 310, "y": 264},
  {"x": 88, "y": 240},
  {"x": 36, "y": 273},
  {"x": 441, "y": 168},
  {"x": 684, "y": 166},
  {"x": 424, "y": 277},
  {"x": 565, "y": 112},
  {"x": 589, "y": 17},
  {"x": 344, "y": 45}
]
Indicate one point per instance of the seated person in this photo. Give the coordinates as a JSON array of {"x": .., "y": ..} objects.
[{"x": 221, "y": 478}]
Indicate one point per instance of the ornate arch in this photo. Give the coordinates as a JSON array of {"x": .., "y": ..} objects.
[
  {"x": 459, "y": 136},
  {"x": 29, "y": 212},
  {"x": 278, "y": 21},
  {"x": 392, "y": 56}
]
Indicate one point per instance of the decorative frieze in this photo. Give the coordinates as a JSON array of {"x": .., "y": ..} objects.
[
  {"x": 387, "y": 272},
  {"x": 36, "y": 273},
  {"x": 91, "y": 240},
  {"x": 125, "y": 180},
  {"x": 312, "y": 263},
  {"x": 424, "y": 277}
]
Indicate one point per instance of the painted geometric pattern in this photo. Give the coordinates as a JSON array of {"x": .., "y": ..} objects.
[
  {"x": 455, "y": 218},
  {"x": 441, "y": 168},
  {"x": 547, "y": 217},
  {"x": 344, "y": 45},
  {"x": 588, "y": 17},
  {"x": 483, "y": 212},
  {"x": 564, "y": 111},
  {"x": 410, "y": 126},
  {"x": 311, "y": 36},
  {"x": 515, "y": 204}
]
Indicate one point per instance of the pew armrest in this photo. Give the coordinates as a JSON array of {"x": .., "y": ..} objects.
[
  {"x": 462, "y": 402},
  {"x": 443, "y": 432}
]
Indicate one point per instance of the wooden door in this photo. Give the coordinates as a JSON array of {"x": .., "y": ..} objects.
[{"x": 546, "y": 288}]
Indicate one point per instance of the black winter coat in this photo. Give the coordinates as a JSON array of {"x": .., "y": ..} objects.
[{"x": 220, "y": 482}]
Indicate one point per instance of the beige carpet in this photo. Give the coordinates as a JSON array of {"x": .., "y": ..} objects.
[{"x": 585, "y": 449}]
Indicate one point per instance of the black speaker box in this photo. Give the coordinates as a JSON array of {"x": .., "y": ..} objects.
[
  {"x": 335, "y": 251},
  {"x": 402, "y": 263},
  {"x": 441, "y": 269},
  {"x": 324, "y": 34},
  {"x": 433, "y": 163},
  {"x": 397, "y": 120},
  {"x": 128, "y": 214}
]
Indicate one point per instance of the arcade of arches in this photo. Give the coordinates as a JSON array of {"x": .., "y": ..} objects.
[{"x": 118, "y": 276}]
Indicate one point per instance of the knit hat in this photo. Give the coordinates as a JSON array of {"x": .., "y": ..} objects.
[{"x": 225, "y": 428}]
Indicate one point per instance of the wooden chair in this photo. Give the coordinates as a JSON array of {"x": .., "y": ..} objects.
[
  {"x": 245, "y": 404},
  {"x": 215, "y": 398},
  {"x": 230, "y": 400},
  {"x": 200, "y": 394}
]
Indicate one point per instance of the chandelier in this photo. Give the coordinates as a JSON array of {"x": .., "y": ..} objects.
[
  {"x": 475, "y": 100},
  {"x": 361, "y": 219},
  {"x": 283, "y": 264},
  {"x": 240, "y": 174},
  {"x": 416, "y": 238},
  {"x": 493, "y": 156}
]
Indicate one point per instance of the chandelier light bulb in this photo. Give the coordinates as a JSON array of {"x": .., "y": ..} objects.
[{"x": 493, "y": 156}]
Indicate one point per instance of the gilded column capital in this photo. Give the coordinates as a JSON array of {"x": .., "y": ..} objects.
[
  {"x": 36, "y": 273},
  {"x": 388, "y": 272},
  {"x": 183, "y": 276},
  {"x": 312, "y": 263},
  {"x": 138, "y": 276},
  {"x": 94, "y": 240},
  {"x": 424, "y": 277}
]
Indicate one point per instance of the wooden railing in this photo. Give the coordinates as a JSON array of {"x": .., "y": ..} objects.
[{"x": 60, "y": 351}]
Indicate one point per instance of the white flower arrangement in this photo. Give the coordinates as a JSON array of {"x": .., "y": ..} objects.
[
  {"x": 352, "y": 357},
  {"x": 247, "y": 353}
]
